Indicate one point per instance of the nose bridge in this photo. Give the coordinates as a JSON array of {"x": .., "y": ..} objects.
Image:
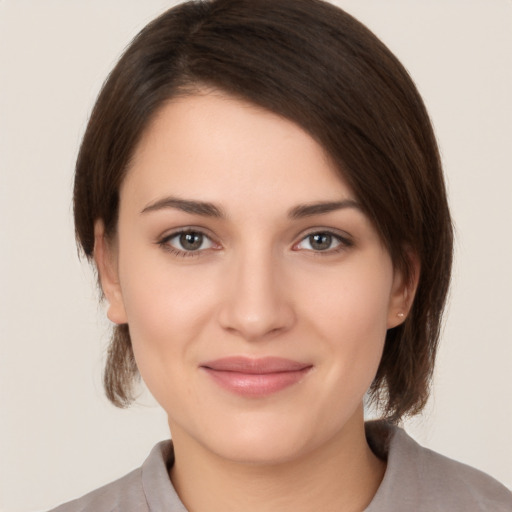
[{"x": 256, "y": 303}]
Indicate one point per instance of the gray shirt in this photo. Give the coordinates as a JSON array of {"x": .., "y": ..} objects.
[{"x": 416, "y": 479}]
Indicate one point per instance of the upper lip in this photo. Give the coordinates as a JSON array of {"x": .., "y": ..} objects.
[{"x": 261, "y": 365}]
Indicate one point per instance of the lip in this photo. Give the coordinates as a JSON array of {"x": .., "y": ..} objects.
[{"x": 255, "y": 377}]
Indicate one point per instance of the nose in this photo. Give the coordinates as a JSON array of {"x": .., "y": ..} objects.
[{"x": 256, "y": 303}]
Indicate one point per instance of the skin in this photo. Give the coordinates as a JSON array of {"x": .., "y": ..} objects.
[{"x": 257, "y": 286}]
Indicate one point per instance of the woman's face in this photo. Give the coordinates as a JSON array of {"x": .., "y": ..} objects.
[{"x": 257, "y": 292}]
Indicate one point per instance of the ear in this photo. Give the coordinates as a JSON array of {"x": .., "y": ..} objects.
[
  {"x": 403, "y": 292},
  {"x": 105, "y": 257}
]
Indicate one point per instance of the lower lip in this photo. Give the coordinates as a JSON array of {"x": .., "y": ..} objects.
[{"x": 256, "y": 384}]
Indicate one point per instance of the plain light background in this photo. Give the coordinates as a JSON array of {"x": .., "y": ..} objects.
[{"x": 59, "y": 437}]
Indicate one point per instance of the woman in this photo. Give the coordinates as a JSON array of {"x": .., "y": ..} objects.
[{"x": 260, "y": 189}]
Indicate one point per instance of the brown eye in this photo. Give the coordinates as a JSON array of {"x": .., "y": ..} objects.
[
  {"x": 191, "y": 241},
  {"x": 320, "y": 241},
  {"x": 324, "y": 242},
  {"x": 187, "y": 243}
]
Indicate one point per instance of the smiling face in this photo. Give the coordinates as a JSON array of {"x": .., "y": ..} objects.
[{"x": 257, "y": 292}]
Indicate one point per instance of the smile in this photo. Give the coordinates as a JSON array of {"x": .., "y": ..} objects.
[{"x": 255, "y": 377}]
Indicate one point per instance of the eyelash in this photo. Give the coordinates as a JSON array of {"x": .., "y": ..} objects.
[
  {"x": 344, "y": 242},
  {"x": 164, "y": 243}
]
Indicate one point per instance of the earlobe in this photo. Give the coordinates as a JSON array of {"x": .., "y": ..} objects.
[
  {"x": 403, "y": 293},
  {"x": 105, "y": 258}
]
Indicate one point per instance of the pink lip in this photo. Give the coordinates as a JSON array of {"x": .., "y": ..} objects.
[{"x": 255, "y": 377}]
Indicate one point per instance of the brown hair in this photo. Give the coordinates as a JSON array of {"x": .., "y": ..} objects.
[{"x": 314, "y": 64}]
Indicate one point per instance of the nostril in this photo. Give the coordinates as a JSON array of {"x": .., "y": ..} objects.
[{"x": 251, "y": 325}]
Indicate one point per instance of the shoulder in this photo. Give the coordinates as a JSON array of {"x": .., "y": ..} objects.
[
  {"x": 123, "y": 494},
  {"x": 420, "y": 479},
  {"x": 145, "y": 489}
]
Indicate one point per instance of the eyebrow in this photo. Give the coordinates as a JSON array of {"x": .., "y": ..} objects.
[
  {"x": 319, "y": 208},
  {"x": 207, "y": 209},
  {"x": 195, "y": 207}
]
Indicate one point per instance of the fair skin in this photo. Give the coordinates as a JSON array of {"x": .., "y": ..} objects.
[{"x": 260, "y": 275}]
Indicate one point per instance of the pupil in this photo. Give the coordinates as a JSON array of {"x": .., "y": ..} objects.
[
  {"x": 191, "y": 241},
  {"x": 320, "y": 241}
]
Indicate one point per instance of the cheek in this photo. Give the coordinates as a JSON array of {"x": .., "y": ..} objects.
[
  {"x": 352, "y": 303},
  {"x": 167, "y": 309},
  {"x": 157, "y": 294},
  {"x": 349, "y": 314}
]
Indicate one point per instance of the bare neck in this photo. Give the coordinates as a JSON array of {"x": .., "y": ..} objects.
[{"x": 342, "y": 474}]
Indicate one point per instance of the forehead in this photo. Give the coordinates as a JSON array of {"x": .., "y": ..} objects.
[{"x": 214, "y": 147}]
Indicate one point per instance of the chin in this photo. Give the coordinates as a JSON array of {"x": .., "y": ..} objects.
[
  {"x": 262, "y": 448},
  {"x": 270, "y": 437}
]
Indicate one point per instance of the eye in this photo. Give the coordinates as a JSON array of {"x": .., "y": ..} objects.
[
  {"x": 186, "y": 243},
  {"x": 324, "y": 241}
]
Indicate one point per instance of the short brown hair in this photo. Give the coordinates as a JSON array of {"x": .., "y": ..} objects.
[{"x": 314, "y": 64}]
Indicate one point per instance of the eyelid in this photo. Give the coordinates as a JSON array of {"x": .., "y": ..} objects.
[
  {"x": 164, "y": 239},
  {"x": 345, "y": 240}
]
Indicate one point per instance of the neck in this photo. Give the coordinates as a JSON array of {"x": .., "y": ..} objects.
[{"x": 343, "y": 474}]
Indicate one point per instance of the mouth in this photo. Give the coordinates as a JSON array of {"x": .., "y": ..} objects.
[{"x": 255, "y": 377}]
